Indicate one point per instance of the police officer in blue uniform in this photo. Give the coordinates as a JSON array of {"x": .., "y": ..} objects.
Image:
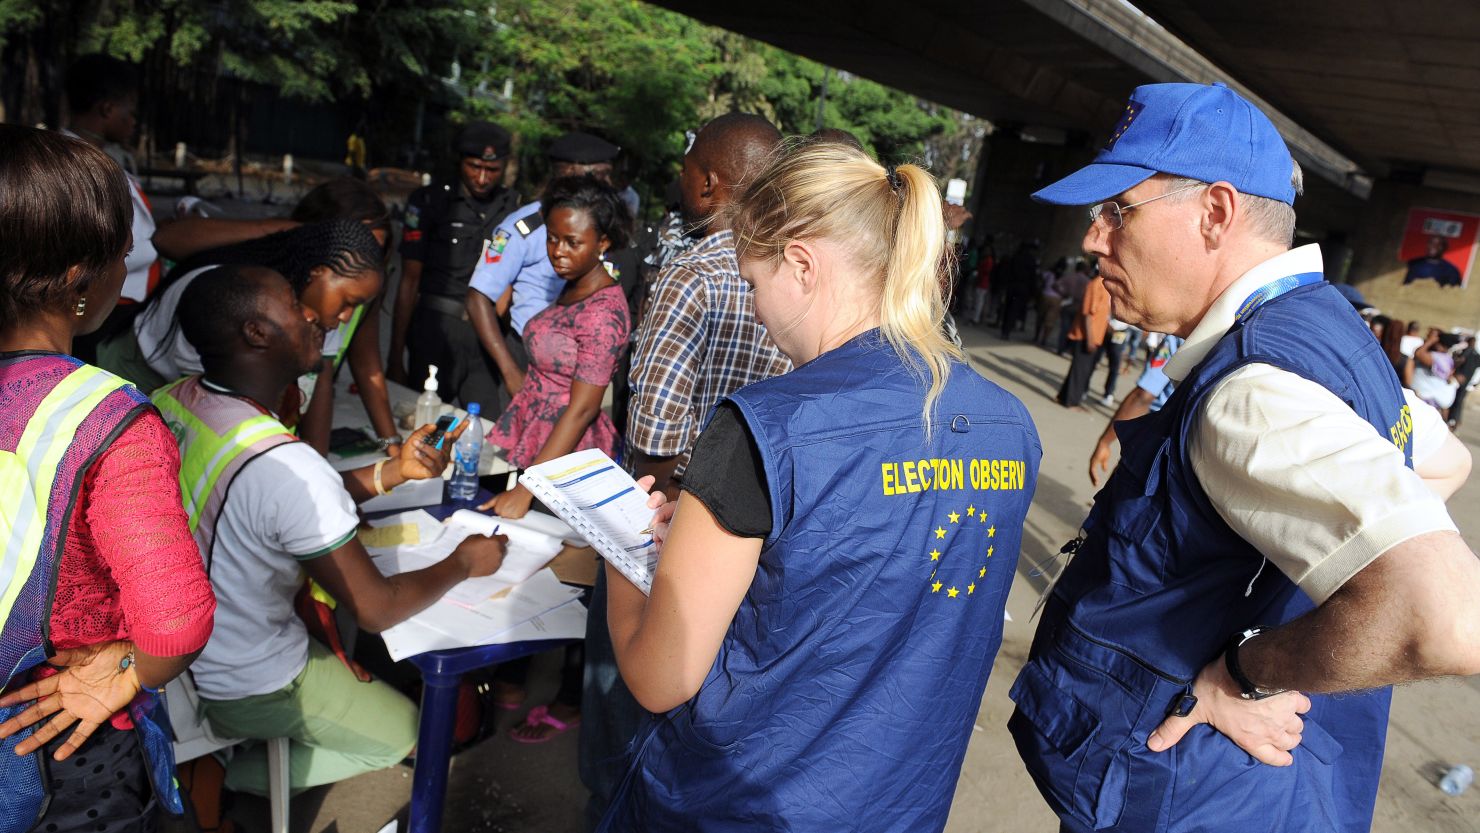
[
  {"x": 828, "y": 602},
  {"x": 445, "y": 229},
  {"x": 1265, "y": 542},
  {"x": 514, "y": 281}
]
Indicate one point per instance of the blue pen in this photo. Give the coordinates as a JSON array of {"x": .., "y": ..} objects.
[{"x": 450, "y": 429}]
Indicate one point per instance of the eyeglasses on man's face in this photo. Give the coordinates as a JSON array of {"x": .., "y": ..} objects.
[{"x": 1111, "y": 214}]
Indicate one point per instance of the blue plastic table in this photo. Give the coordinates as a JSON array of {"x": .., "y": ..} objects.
[{"x": 441, "y": 673}]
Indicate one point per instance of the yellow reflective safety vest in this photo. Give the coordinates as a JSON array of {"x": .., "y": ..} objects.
[
  {"x": 57, "y": 416},
  {"x": 219, "y": 433}
]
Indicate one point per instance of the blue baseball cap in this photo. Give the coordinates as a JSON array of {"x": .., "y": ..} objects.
[{"x": 1200, "y": 131}]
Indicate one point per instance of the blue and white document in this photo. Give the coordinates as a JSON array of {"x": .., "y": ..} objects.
[{"x": 603, "y": 503}]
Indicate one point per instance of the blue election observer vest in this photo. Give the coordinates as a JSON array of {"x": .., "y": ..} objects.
[
  {"x": 1159, "y": 584},
  {"x": 845, "y": 691}
]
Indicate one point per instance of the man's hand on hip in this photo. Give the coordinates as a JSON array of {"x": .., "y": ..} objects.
[{"x": 1266, "y": 729}]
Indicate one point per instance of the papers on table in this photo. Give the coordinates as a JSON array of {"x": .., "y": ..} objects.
[
  {"x": 523, "y": 600},
  {"x": 411, "y": 493}
]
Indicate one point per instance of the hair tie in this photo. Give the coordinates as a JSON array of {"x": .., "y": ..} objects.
[{"x": 895, "y": 183}]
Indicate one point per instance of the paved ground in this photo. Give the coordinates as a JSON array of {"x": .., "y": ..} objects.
[{"x": 503, "y": 787}]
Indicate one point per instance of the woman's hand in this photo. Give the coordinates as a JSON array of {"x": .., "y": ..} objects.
[
  {"x": 513, "y": 504},
  {"x": 90, "y": 689},
  {"x": 662, "y": 509}
]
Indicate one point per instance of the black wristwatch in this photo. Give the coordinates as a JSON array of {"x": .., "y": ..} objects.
[{"x": 1248, "y": 689}]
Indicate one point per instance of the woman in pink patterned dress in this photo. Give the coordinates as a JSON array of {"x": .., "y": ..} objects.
[{"x": 574, "y": 346}]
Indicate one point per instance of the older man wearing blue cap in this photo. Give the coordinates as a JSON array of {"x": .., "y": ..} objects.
[{"x": 1265, "y": 541}]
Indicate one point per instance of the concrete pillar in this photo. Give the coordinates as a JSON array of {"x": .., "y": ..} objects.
[{"x": 1012, "y": 170}]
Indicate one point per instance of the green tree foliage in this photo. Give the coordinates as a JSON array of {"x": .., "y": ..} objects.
[
  {"x": 311, "y": 50},
  {"x": 642, "y": 76},
  {"x": 315, "y": 50}
]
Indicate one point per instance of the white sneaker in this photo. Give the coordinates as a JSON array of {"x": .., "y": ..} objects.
[{"x": 1107, "y": 400}]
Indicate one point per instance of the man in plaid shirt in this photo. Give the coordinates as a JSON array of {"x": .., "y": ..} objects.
[{"x": 700, "y": 340}]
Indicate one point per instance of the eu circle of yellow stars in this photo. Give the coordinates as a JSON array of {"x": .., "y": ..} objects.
[{"x": 957, "y": 523}]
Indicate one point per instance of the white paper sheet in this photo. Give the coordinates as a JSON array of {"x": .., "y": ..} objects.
[
  {"x": 537, "y": 522},
  {"x": 492, "y": 621}
]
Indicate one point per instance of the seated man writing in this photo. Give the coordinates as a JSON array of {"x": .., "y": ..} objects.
[{"x": 265, "y": 508}]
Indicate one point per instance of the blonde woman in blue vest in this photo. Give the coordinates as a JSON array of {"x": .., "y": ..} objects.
[
  {"x": 100, "y": 579},
  {"x": 828, "y": 600}
]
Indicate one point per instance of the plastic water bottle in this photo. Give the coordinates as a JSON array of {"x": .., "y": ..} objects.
[
  {"x": 428, "y": 405},
  {"x": 465, "y": 452},
  {"x": 1457, "y": 779}
]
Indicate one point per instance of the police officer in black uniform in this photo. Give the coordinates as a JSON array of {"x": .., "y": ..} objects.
[{"x": 446, "y": 227}]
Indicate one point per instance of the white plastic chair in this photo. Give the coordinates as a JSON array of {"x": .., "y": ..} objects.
[{"x": 194, "y": 738}]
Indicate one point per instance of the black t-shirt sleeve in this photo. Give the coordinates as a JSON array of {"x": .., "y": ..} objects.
[{"x": 726, "y": 473}]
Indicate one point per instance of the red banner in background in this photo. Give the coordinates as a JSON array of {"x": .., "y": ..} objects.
[{"x": 1439, "y": 246}]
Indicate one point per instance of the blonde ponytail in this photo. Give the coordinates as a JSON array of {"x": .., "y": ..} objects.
[
  {"x": 895, "y": 230},
  {"x": 913, "y": 306}
]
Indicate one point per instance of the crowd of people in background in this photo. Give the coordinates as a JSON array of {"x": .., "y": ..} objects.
[
  {"x": 1072, "y": 314},
  {"x": 778, "y": 337}
]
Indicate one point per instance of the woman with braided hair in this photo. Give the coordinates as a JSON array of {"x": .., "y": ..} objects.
[{"x": 334, "y": 267}]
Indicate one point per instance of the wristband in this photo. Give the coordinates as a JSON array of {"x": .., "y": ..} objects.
[
  {"x": 380, "y": 486},
  {"x": 1248, "y": 689}
]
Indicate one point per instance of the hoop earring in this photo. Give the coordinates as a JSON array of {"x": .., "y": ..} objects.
[{"x": 81, "y": 307}]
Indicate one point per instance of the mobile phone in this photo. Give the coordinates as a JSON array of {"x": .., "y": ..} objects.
[{"x": 444, "y": 424}]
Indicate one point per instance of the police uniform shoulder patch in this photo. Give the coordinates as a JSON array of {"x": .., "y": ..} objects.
[
  {"x": 500, "y": 241},
  {"x": 527, "y": 225},
  {"x": 413, "y": 216}
]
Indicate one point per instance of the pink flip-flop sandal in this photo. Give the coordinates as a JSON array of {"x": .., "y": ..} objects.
[{"x": 540, "y": 715}]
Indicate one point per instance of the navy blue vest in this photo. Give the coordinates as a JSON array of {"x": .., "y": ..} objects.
[
  {"x": 845, "y": 691},
  {"x": 1157, "y": 587}
]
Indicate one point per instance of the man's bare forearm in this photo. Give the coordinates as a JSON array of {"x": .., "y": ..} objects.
[
  {"x": 1412, "y": 614},
  {"x": 316, "y": 425},
  {"x": 369, "y": 372},
  {"x": 406, "y": 296},
  {"x": 484, "y": 317},
  {"x": 179, "y": 239},
  {"x": 661, "y": 469},
  {"x": 1137, "y": 405}
]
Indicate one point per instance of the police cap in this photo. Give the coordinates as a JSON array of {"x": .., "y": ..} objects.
[
  {"x": 484, "y": 140},
  {"x": 583, "y": 149}
]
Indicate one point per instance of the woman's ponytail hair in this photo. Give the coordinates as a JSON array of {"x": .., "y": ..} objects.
[
  {"x": 892, "y": 222},
  {"x": 913, "y": 307}
]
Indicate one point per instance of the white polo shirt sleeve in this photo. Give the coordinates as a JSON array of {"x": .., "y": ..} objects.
[{"x": 1298, "y": 474}]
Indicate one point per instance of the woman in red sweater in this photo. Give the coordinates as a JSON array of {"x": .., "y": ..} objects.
[{"x": 99, "y": 562}]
